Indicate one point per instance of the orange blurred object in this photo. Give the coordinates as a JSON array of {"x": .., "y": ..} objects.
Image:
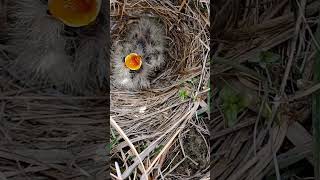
[
  {"x": 133, "y": 61},
  {"x": 75, "y": 13}
]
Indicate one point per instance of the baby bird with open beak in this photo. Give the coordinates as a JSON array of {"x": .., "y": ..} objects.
[
  {"x": 62, "y": 43},
  {"x": 137, "y": 58}
]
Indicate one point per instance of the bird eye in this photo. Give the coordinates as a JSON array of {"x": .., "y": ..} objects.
[
  {"x": 141, "y": 43},
  {"x": 148, "y": 60},
  {"x": 48, "y": 12}
]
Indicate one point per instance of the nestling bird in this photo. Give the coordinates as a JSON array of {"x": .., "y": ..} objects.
[
  {"x": 63, "y": 42},
  {"x": 139, "y": 55}
]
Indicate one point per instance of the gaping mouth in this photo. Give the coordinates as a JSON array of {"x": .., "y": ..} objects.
[
  {"x": 133, "y": 61},
  {"x": 75, "y": 13}
]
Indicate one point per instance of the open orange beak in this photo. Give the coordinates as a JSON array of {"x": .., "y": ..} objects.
[
  {"x": 133, "y": 61},
  {"x": 75, "y": 13}
]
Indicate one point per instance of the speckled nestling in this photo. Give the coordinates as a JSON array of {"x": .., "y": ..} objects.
[
  {"x": 146, "y": 38},
  {"x": 44, "y": 49}
]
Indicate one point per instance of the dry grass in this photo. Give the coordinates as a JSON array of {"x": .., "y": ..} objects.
[
  {"x": 48, "y": 137},
  {"x": 272, "y": 136},
  {"x": 158, "y": 122},
  {"x": 44, "y": 133}
]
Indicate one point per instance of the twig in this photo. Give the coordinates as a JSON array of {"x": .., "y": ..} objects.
[
  {"x": 118, "y": 170},
  {"x": 124, "y": 136}
]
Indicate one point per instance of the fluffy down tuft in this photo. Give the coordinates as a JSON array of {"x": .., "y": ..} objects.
[{"x": 146, "y": 38}]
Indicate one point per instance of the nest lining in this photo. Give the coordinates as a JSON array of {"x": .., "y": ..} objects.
[{"x": 159, "y": 112}]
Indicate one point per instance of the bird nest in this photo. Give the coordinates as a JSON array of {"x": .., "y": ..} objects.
[{"x": 164, "y": 124}]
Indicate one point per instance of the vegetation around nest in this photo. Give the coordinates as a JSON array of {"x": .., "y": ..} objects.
[{"x": 264, "y": 55}]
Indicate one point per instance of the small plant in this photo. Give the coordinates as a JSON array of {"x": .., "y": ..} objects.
[
  {"x": 265, "y": 58},
  {"x": 233, "y": 103},
  {"x": 184, "y": 94},
  {"x": 114, "y": 141},
  {"x": 158, "y": 149},
  {"x": 143, "y": 147}
]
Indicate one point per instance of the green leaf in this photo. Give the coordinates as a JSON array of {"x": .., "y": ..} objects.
[
  {"x": 269, "y": 57},
  {"x": 265, "y": 57},
  {"x": 233, "y": 103},
  {"x": 231, "y": 114},
  {"x": 183, "y": 94},
  {"x": 228, "y": 95},
  {"x": 158, "y": 149},
  {"x": 113, "y": 142},
  {"x": 244, "y": 100},
  {"x": 143, "y": 147}
]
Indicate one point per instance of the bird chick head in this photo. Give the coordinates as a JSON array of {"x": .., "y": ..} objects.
[
  {"x": 75, "y": 13},
  {"x": 140, "y": 49},
  {"x": 133, "y": 61}
]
